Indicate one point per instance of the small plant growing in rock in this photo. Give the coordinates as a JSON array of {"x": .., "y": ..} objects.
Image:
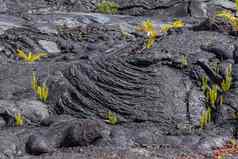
[
  {"x": 204, "y": 84},
  {"x": 212, "y": 94},
  {"x": 184, "y": 60},
  {"x": 30, "y": 57},
  {"x": 228, "y": 16},
  {"x": 148, "y": 27},
  {"x": 177, "y": 24},
  {"x": 107, "y": 7},
  {"x": 111, "y": 118},
  {"x": 205, "y": 118},
  {"x": 19, "y": 120},
  {"x": 40, "y": 90},
  {"x": 226, "y": 83}
]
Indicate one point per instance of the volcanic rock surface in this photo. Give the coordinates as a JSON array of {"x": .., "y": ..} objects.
[{"x": 93, "y": 67}]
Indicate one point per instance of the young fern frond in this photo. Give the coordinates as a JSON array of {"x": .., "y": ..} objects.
[
  {"x": 177, "y": 24},
  {"x": 42, "y": 93},
  {"x": 148, "y": 27},
  {"x": 206, "y": 117},
  {"x": 112, "y": 118},
  {"x": 184, "y": 60},
  {"x": 212, "y": 94},
  {"x": 203, "y": 120},
  {"x": 228, "y": 16},
  {"x": 19, "y": 120},
  {"x": 209, "y": 114},
  {"x": 204, "y": 84},
  {"x": 226, "y": 83},
  {"x": 30, "y": 57}
]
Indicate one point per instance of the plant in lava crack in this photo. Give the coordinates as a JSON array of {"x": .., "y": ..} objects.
[
  {"x": 177, "y": 24},
  {"x": 205, "y": 117},
  {"x": 148, "y": 27},
  {"x": 19, "y": 119},
  {"x": 226, "y": 83},
  {"x": 40, "y": 90},
  {"x": 111, "y": 118},
  {"x": 184, "y": 60},
  {"x": 212, "y": 95},
  {"x": 228, "y": 16},
  {"x": 30, "y": 57},
  {"x": 107, "y": 7},
  {"x": 204, "y": 84}
]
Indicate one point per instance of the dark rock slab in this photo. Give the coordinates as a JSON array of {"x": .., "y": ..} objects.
[{"x": 64, "y": 134}]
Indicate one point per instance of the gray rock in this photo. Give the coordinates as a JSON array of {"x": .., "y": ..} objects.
[
  {"x": 37, "y": 145},
  {"x": 3, "y": 7},
  {"x": 34, "y": 110},
  {"x": 81, "y": 134},
  {"x": 50, "y": 46},
  {"x": 70, "y": 133},
  {"x": 226, "y": 4},
  {"x": 2, "y": 122},
  {"x": 9, "y": 144}
]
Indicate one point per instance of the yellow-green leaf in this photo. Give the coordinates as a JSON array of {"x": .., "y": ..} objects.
[
  {"x": 112, "y": 118},
  {"x": 19, "y": 119}
]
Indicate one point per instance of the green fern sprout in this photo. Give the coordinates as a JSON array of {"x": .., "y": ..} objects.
[
  {"x": 229, "y": 17},
  {"x": 112, "y": 118},
  {"x": 42, "y": 92},
  {"x": 209, "y": 114},
  {"x": 107, "y": 7},
  {"x": 226, "y": 83},
  {"x": 204, "y": 84},
  {"x": 205, "y": 118},
  {"x": 184, "y": 60},
  {"x": 148, "y": 27},
  {"x": 19, "y": 120},
  {"x": 212, "y": 94}
]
